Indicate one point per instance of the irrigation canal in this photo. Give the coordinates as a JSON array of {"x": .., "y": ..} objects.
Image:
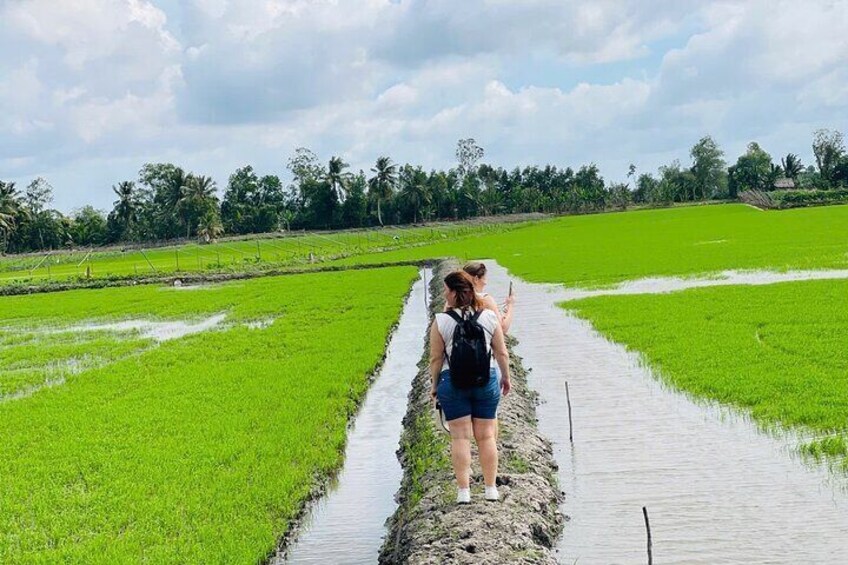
[
  {"x": 717, "y": 489},
  {"x": 347, "y": 525}
]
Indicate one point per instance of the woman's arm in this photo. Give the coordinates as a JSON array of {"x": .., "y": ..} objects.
[
  {"x": 490, "y": 304},
  {"x": 510, "y": 310},
  {"x": 502, "y": 357},
  {"x": 504, "y": 318},
  {"x": 437, "y": 354}
]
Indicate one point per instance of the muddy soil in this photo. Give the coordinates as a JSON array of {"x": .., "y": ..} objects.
[{"x": 429, "y": 527}]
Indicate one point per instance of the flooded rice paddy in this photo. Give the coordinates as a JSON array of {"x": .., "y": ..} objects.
[
  {"x": 156, "y": 330},
  {"x": 717, "y": 489},
  {"x": 347, "y": 525}
]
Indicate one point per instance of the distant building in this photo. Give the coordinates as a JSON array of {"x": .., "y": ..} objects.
[{"x": 784, "y": 184}]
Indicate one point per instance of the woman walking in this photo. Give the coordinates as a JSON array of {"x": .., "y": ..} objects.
[
  {"x": 465, "y": 337},
  {"x": 477, "y": 271}
]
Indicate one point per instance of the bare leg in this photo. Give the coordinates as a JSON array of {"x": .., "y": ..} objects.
[
  {"x": 484, "y": 433},
  {"x": 461, "y": 433}
]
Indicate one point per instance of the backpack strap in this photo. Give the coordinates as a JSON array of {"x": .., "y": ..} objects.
[{"x": 456, "y": 317}]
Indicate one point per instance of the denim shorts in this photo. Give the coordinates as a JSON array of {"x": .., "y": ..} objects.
[{"x": 478, "y": 402}]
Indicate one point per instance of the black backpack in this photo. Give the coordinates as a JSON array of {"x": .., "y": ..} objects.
[{"x": 470, "y": 358}]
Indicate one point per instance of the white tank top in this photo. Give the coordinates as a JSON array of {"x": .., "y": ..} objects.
[{"x": 447, "y": 325}]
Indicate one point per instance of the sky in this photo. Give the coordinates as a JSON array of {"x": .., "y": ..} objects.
[{"x": 90, "y": 90}]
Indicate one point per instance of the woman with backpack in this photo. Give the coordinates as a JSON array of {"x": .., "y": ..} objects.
[{"x": 463, "y": 340}]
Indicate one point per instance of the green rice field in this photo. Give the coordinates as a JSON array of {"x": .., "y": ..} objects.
[
  {"x": 197, "y": 449},
  {"x": 602, "y": 249},
  {"x": 251, "y": 254},
  {"x": 121, "y": 446},
  {"x": 779, "y": 351}
]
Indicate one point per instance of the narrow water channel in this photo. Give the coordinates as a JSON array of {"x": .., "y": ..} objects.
[
  {"x": 347, "y": 526},
  {"x": 717, "y": 489}
]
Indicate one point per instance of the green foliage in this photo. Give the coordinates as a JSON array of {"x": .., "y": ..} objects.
[
  {"x": 252, "y": 204},
  {"x": 201, "y": 449},
  {"x": 355, "y": 206},
  {"x": 792, "y": 167},
  {"x": 753, "y": 170},
  {"x": 88, "y": 227},
  {"x": 779, "y": 350},
  {"x": 798, "y": 198},
  {"x": 829, "y": 151},
  {"x": 708, "y": 170}
]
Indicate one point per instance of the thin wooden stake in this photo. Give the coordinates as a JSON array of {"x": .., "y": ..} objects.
[
  {"x": 148, "y": 260},
  {"x": 570, "y": 424},
  {"x": 648, "y": 528}
]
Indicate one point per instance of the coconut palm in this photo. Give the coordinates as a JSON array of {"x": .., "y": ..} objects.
[
  {"x": 336, "y": 178},
  {"x": 210, "y": 228},
  {"x": 792, "y": 166},
  {"x": 415, "y": 190},
  {"x": 198, "y": 195},
  {"x": 126, "y": 206},
  {"x": 11, "y": 210},
  {"x": 382, "y": 184}
]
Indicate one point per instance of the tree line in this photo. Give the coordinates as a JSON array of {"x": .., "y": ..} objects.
[{"x": 168, "y": 202}]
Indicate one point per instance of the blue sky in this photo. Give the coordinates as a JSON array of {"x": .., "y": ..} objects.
[{"x": 92, "y": 89}]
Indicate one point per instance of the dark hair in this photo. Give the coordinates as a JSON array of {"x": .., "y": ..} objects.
[
  {"x": 463, "y": 285},
  {"x": 475, "y": 269}
]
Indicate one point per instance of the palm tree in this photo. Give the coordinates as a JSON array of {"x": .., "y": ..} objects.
[
  {"x": 382, "y": 184},
  {"x": 792, "y": 166},
  {"x": 197, "y": 195},
  {"x": 10, "y": 210},
  {"x": 415, "y": 190},
  {"x": 337, "y": 178},
  {"x": 126, "y": 206},
  {"x": 774, "y": 173},
  {"x": 210, "y": 228}
]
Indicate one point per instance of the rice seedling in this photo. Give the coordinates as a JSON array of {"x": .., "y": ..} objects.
[
  {"x": 198, "y": 449},
  {"x": 601, "y": 249},
  {"x": 779, "y": 351}
]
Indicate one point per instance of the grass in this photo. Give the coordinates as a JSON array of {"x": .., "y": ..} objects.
[
  {"x": 779, "y": 351},
  {"x": 600, "y": 249},
  {"x": 200, "y": 449},
  {"x": 294, "y": 250}
]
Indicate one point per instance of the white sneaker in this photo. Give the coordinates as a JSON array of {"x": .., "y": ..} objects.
[
  {"x": 463, "y": 496},
  {"x": 492, "y": 493}
]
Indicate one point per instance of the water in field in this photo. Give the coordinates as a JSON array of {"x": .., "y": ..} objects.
[
  {"x": 158, "y": 330},
  {"x": 348, "y": 524},
  {"x": 656, "y": 285},
  {"x": 717, "y": 489}
]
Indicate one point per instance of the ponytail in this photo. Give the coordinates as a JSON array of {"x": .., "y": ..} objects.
[{"x": 463, "y": 285}]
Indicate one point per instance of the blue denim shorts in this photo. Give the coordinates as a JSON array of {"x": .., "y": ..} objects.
[{"x": 478, "y": 402}]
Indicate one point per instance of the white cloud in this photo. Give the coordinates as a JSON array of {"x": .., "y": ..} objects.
[{"x": 97, "y": 86}]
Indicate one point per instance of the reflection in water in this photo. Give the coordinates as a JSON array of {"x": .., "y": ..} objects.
[
  {"x": 348, "y": 525},
  {"x": 717, "y": 489}
]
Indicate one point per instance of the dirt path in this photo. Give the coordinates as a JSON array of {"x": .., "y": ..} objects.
[{"x": 429, "y": 527}]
